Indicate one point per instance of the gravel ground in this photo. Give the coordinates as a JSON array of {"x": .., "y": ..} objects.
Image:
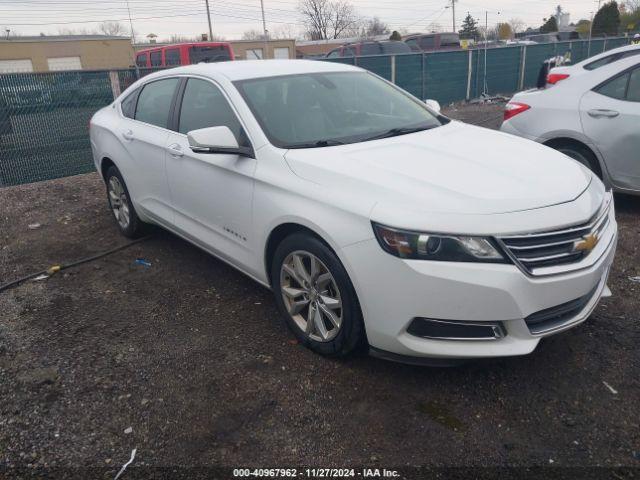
[{"x": 188, "y": 361}]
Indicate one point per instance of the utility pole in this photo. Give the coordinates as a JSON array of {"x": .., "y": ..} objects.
[
  {"x": 133, "y": 37},
  {"x": 453, "y": 11},
  {"x": 265, "y": 33},
  {"x": 209, "y": 20}
]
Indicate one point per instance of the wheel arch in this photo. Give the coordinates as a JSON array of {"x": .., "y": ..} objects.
[
  {"x": 282, "y": 231},
  {"x": 105, "y": 164},
  {"x": 567, "y": 140}
]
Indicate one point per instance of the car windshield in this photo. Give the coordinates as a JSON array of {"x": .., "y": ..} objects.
[{"x": 324, "y": 109}]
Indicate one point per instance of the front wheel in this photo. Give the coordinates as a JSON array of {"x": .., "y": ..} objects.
[{"x": 315, "y": 296}]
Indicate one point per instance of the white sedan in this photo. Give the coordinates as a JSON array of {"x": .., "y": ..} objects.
[
  {"x": 559, "y": 74},
  {"x": 593, "y": 117},
  {"x": 375, "y": 220}
]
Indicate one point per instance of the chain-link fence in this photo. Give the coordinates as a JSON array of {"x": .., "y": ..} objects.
[
  {"x": 459, "y": 75},
  {"x": 44, "y": 117}
]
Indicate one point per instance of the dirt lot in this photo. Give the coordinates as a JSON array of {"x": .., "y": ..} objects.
[{"x": 188, "y": 361}]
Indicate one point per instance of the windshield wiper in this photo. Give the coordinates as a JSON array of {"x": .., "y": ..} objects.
[
  {"x": 394, "y": 132},
  {"x": 318, "y": 144}
]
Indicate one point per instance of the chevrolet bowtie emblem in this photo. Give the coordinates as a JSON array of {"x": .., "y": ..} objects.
[{"x": 587, "y": 243}]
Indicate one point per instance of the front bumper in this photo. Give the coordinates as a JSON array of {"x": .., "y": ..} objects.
[{"x": 392, "y": 292}]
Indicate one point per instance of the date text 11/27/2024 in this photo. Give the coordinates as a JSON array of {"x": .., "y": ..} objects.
[{"x": 315, "y": 473}]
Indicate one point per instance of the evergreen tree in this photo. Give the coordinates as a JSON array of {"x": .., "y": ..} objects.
[
  {"x": 550, "y": 25},
  {"x": 607, "y": 20},
  {"x": 469, "y": 27},
  {"x": 395, "y": 35}
]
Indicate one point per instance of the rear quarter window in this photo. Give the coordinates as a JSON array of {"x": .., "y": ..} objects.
[
  {"x": 172, "y": 57},
  {"x": 128, "y": 105},
  {"x": 141, "y": 60}
]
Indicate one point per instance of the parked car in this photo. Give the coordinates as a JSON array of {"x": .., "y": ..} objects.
[
  {"x": 375, "y": 220},
  {"x": 543, "y": 38},
  {"x": 184, "y": 54},
  {"x": 593, "y": 117},
  {"x": 558, "y": 74},
  {"x": 430, "y": 42},
  {"x": 359, "y": 49}
]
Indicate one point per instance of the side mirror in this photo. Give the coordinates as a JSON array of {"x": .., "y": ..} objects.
[
  {"x": 217, "y": 140},
  {"x": 433, "y": 105}
]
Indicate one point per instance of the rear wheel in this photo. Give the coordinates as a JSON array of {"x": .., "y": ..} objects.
[
  {"x": 120, "y": 204},
  {"x": 315, "y": 296}
]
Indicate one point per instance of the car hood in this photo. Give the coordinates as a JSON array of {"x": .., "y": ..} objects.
[{"x": 456, "y": 168}]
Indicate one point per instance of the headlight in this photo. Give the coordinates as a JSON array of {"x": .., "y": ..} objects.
[{"x": 438, "y": 247}]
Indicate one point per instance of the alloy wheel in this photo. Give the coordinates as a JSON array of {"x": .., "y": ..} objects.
[
  {"x": 119, "y": 202},
  {"x": 311, "y": 296}
]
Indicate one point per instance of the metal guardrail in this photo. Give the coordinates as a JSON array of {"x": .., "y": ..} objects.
[{"x": 44, "y": 117}]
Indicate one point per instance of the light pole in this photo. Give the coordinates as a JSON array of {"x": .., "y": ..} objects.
[{"x": 209, "y": 21}]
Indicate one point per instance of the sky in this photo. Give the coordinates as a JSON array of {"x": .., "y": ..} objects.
[{"x": 233, "y": 17}]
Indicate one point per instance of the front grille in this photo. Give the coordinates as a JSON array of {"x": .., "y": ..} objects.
[
  {"x": 555, "y": 317},
  {"x": 556, "y": 248}
]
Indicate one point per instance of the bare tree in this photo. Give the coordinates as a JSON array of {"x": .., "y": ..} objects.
[
  {"x": 375, "y": 27},
  {"x": 113, "y": 29},
  {"x": 253, "y": 34},
  {"x": 517, "y": 25},
  {"x": 327, "y": 19}
]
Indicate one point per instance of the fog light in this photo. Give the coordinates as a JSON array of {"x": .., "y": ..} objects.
[{"x": 454, "y": 330}]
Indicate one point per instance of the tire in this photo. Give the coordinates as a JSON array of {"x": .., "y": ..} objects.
[
  {"x": 299, "y": 299},
  {"x": 580, "y": 153},
  {"x": 120, "y": 205}
]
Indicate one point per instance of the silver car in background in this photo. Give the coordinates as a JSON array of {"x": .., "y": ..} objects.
[{"x": 593, "y": 118}]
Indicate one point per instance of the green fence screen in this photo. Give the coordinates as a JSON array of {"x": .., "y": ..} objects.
[{"x": 44, "y": 117}]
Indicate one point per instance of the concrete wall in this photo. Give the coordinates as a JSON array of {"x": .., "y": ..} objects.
[{"x": 94, "y": 54}]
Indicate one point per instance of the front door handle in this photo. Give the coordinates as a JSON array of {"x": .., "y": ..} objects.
[
  {"x": 128, "y": 135},
  {"x": 602, "y": 113},
  {"x": 175, "y": 150}
]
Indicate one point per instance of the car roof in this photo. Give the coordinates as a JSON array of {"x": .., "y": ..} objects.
[
  {"x": 606, "y": 54},
  {"x": 247, "y": 69}
]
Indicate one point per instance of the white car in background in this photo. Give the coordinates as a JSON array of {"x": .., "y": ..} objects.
[
  {"x": 558, "y": 74},
  {"x": 375, "y": 220},
  {"x": 593, "y": 118}
]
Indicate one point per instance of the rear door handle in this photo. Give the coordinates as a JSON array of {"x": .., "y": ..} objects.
[
  {"x": 128, "y": 135},
  {"x": 602, "y": 113},
  {"x": 175, "y": 150}
]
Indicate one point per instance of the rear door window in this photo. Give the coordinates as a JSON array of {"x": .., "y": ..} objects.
[
  {"x": 370, "y": 49},
  {"x": 172, "y": 57},
  {"x": 156, "y": 58},
  {"x": 204, "y": 105},
  {"x": 154, "y": 102},
  {"x": 428, "y": 42}
]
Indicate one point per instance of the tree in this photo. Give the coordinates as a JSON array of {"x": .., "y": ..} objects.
[
  {"x": 607, "y": 20},
  {"x": 583, "y": 27},
  {"x": 504, "y": 31},
  {"x": 517, "y": 25},
  {"x": 550, "y": 25},
  {"x": 469, "y": 28},
  {"x": 114, "y": 29},
  {"x": 395, "y": 35},
  {"x": 375, "y": 27},
  {"x": 328, "y": 19},
  {"x": 253, "y": 34}
]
